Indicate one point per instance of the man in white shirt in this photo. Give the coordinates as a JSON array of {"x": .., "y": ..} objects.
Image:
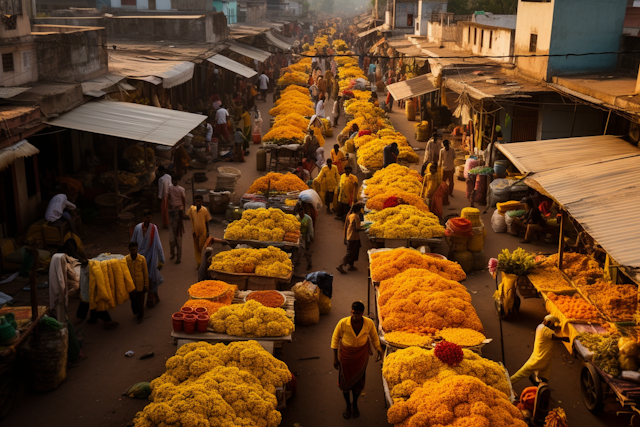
[
  {"x": 432, "y": 151},
  {"x": 164, "y": 182},
  {"x": 263, "y": 81},
  {"x": 58, "y": 211},
  {"x": 222, "y": 115},
  {"x": 320, "y": 107},
  {"x": 447, "y": 162},
  {"x": 176, "y": 210},
  {"x": 336, "y": 111}
]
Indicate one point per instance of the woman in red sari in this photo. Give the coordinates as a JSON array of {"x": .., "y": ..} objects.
[{"x": 351, "y": 343}]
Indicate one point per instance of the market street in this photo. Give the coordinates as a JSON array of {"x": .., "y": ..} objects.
[{"x": 91, "y": 395}]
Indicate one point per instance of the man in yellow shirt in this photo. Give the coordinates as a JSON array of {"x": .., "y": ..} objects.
[
  {"x": 538, "y": 367},
  {"x": 347, "y": 192},
  {"x": 137, "y": 265},
  {"x": 200, "y": 217},
  {"x": 328, "y": 178},
  {"x": 351, "y": 343},
  {"x": 352, "y": 239}
]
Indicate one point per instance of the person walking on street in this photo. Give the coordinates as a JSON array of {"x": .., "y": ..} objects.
[
  {"x": 222, "y": 116},
  {"x": 447, "y": 163},
  {"x": 264, "y": 85},
  {"x": 137, "y": 265},
  {"x": 336, "y": 111},
  {"x": 328, "y": 180},
  {"x": 347, "y": 192},
  {"x": 200, "y": 217},
  {"x": 538, "y": 367},
  {"x": 432, "y": 151},
  {"x": 352, "y": 239},
  {"x": 351, "y": 343},
  {"x": 177, "y": 205},
  {"x": 149, "y": 246},
  {"x": 320, "y": 107},
  {"x": 306, "y": 234},
  {"x": 164, "y": 183}
]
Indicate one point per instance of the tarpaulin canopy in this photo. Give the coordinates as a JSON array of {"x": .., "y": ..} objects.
[
  {"x": 18, "y": 150},
  {"x": 413, "y": 87},
  {"x": 132, "y": 121},
  {"x": 277, "y": 42},
  {"x": 231, "y": 65},
  {"x": 248, "y": 50},
  {"x": 156, "y": 71}
]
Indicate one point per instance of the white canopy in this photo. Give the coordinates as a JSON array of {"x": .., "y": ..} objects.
[{"x": 231, "y": 65}]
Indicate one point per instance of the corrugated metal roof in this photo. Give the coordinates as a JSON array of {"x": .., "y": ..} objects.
[
  {"x": 98, "y": 86},
  {"x": 248, "y": 50},
  {"x": 539, "y": 156},
  {"x": 276, "y": 41},
  {"x": 172, "y": 73},
  {"x": 231, "y": 65},
  {"x": 132, "y": 121},
  {"x": 413, "y": 87},
  {"x": 604, "y": 197}
]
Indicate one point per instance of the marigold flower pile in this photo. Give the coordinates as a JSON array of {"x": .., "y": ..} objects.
[
  {"x": 284, "y": 135},
  {"x": 211, "y": 306},
  {"x": 273, "y": 299},
  {"x": 271, "y": 262},
  {"x": 408, "y": 369},
  {"x": 408, "y": 339},
  {"x": 456, "y": 401},
  {"x": 293, "y": 78},
  {"x": 291, "y": 119},
  {"x": 387, "y": 264},
  {"x": 393, "y": 178},
  {"x": 209, "y": 289},
  {"x": 370, "y": 155},
  {"x": 574, "y": 307},
  {"x": 251, "y": 319},
  {"x": 403, "y": 222},
  {"x": 269, "y": 225},
  {"x": 292, "y": 107},
  {"x": 376, "y": 203},
  {"x": 222, "y": 385},
  {"x": 462, "y": 336},
  {"x": 277, "y": 182}
]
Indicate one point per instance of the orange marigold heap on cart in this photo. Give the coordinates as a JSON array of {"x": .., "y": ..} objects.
[{"x": 387, "y": 264}]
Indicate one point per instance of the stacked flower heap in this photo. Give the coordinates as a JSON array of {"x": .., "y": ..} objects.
[
  {"x": 278, "y": 183},
  {"x": 376, "y": 203},
  {"x": 292, "y": 107},
  {"x": 408, "y": 369},
  {"x": 302, "y": 66},
  {"x": 251, "y": 319},
  {"x": 387, "y": 264},
  {"x": 370, "y": 154},
  {"x": 408, "y": 339},
  {"x": 207, "y": 385},
  {"x": 284, "y": 135},
  {"x": 394, "y": 178},
  {"x": 269, "y": 225},
  {"x": 403, "y": 222},
  {"x": 293, "y": 77},
  {"x": 574, "y": 307},
  {"x": 291, "y": 119},
  {"x": 271, "y": 262},
  {"x": 456, "y": 401},
  {"x": 462, "y": 336}
]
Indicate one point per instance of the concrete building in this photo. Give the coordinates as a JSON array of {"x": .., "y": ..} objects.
[
  {"x": 207, "y": 28},
  {"x": 569, "y": 26},
  {"x": 17, "y": 48},
  {"x": 229, "y": 8},
  {"x": 425, "y": 12},
  {"x": 252, "y": 11},
  {"x": 485, "y": 40}
]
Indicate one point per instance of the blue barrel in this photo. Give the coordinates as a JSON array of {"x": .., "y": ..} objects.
[{"x": 500, "y": 168}]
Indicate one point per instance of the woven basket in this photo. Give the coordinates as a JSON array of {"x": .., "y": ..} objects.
[
  {"x": 307, "y": 313},
  {"x": 46, "y": 355},
  {"x": 324, "y": 304}
]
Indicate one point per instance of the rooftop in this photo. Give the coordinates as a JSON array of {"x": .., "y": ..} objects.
[
  {"x": 612, "y": 90},
  {"x": 488, "y": 82}
]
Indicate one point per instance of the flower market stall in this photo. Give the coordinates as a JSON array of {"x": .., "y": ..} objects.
[
  {"x": 276, "y": 190},
  {"x": 252, "y": 269},
  {"x": 264, "y": 227}
]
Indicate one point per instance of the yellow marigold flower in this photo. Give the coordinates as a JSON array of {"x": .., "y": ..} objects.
[
  {"x": 387, "y": 264},
  {"x": 462, "y": 336},
  {"x": 277, "y": 182}
]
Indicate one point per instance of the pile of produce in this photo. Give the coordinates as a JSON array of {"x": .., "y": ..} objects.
[
  {"x": 574, "y": 307},
  {"x": 394, "y": 178},
  {"x": 210, "y": 289},
  {"x": 293, "y": 78},
  {"x": 295, "y": 96},
  {"x": 605, "y": 351},
  {"x": 519, "y": 262},
  {"x": 272, "y": 299},
  {"x": 271, "y": 262},
  {"x": 618, "y": 302},
  {"x": 456, "y": 401},
  {"x": 302, "y": 66},
  {"x": 548, "y": 278},
  {"x": 251, "y": 319},
  {"x": 418, "y": 280},
  {"x": 292, "y": 119},
  {"x": 277, "y": 183},
  {"x": 109, "y": 283},
  {"x": 403, "y": 222},
  {"x": 370, "y": 155},
  {"x": 408, "y": 339},
  {"x": 217, "y": 385},
  {"x": 376, "y": 203},
  {"x": 581, "y": 269},
  {"x": 387, "y": 264},
  {"x": 292, "y": 106},
  {"x": 269, "y": 225},
  {"x": 212, "y": 306},
  {"x": 284, "y": 135},
  {"x": 462, "y": 336}
]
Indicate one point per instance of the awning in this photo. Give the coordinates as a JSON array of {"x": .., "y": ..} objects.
[
  {"x": 10, "y": 92},
  {"x": 383, "y": 27},
  {"x": 281, "y": 44},
  {"x": 248, "y": 50},
  {"x": 132, "y": 121},
  {"x": 18, "y": 150},
  {"x": 540, "y": 156},
  {"x": 156, "y": 71},
  {"x": 101, "y": 85},
  {"x": 231, "y": 65},
  {"x": 603, "y": 196},
  {"x": 413, "y": 87}
]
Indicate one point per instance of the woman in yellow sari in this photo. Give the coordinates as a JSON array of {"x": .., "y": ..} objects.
[
  {"x": 436, "y": 190},
  {"x": 347, "y": 192},
  {"x": 338, "y": 158}
]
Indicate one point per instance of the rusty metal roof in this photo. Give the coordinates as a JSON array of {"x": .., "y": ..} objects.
[{"x": 413, "y": 87}]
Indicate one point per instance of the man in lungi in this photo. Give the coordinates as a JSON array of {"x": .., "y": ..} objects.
[
  {"x": 352, "y": 239},
  {"x": 351, "y": 343},
  {"x": 149, "y": 246}
]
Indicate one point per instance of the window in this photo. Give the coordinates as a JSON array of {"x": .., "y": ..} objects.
[
  {"x": 533, "y": 43},
  {"x": 490, "y": 39},
  {"x": 475, "y": 36},
  {"x": 481, "y": 39},
  {"x": 469, "y": 36},
  {"x": 409, "y": 19},
  {"x": 7, "y": 62}
]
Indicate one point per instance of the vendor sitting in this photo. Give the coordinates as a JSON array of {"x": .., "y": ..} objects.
[
  {"x": 61, "y": 210},
  {"x": 531, "y": 223}
]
